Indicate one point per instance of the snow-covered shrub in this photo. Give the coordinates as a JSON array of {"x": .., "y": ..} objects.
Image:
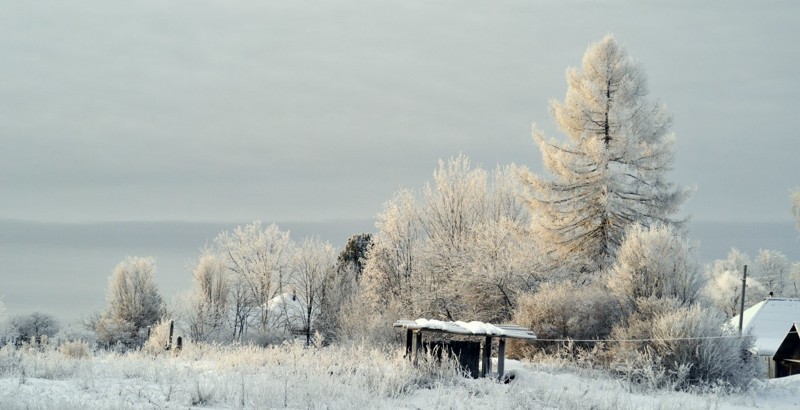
[
  {"x": 10, "y": 359},
  {"x": 359, "y": 323},
  {"x": 115, "y": 332},
  {"x": 72, "y": 333},
  {"x": 565, "y": 310},
  {"x": 674, "y": 346},
  {"x": 265, "y": 338},
  {"x": 655, "y": 262},
  {"x": 76, "y": 349}
]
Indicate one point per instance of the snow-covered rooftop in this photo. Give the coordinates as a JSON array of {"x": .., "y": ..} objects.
[
  {"x": 473, "y": 328},
  {"x": 769, "y": 321}
]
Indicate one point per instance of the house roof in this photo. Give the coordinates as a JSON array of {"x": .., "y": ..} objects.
[
  {"x": 473, "y": 328},
  {"x": 768, "y": 321}
]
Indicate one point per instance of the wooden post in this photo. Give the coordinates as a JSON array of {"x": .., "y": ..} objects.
[
  {"x": 487, "y": 357},
  {"x": 501, "y": 359},
  {"x": 418, "y": 346},
  {"x": 741, "y": 310},
  {"x": 409, "y": 342},
  {"x": 169, "y": 342}
]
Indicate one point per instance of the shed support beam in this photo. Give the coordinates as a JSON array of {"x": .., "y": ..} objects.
[
  {"x": 409, "y": 342},
  {"x": 487, "y": 357},
  {"x": 417, "y": 346},
  {"x": 501, "y": 358}
]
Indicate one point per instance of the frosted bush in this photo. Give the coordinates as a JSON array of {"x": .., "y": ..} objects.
[
  {"x": 681, "y": 348},
  {"x": 73, "y": 333},
  {"x": 76, "y": 349},
  {"x": 565, "y": 310},
  {"x": 359, "y": 323},
  {"x": 655, "y": 262},
  {"x": 10, "y": 360}
]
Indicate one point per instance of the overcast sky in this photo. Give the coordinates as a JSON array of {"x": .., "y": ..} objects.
[{"x": 317, "y": 110}]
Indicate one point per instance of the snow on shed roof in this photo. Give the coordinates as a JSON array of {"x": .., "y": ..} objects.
[
  {"x": 769, "y": 321},
  {"x": 473, "y": 328}
]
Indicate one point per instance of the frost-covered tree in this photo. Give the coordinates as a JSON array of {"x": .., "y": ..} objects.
[
  {"x": 256, "y": 260},
  {"x": 392, "y": 260},
  {"x": 36, "y": 324},
  {"x": 504, "y": 261},
  {"x": 610, "y": 173},
  {"x": 341, "y": 286},
  {"x": 208, "y": 302},
  {"x": 459, "y": 250},
  {"x": 793, "y": 289},
  {"x": 724, "y": 287},
  {"x": 452, "y": 207},
  {"x": 311, "y": 263},
  {"x": 134, "y": 303},
  {"x": 353, "y": 257},
  {"x": 773, "y": 270},
  {"x": 655, "y": 262}
]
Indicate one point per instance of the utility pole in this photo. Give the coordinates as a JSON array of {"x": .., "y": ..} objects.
[{"x": 741, "y": 309}]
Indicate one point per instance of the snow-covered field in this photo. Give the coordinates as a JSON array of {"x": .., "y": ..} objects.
[{"x": 291, "y": 376}]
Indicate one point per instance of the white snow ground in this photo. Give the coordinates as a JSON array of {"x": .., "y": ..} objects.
[{"x": 294, "y": 377}]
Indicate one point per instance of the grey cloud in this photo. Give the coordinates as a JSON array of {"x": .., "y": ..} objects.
[{"x": 313, "y": 110}]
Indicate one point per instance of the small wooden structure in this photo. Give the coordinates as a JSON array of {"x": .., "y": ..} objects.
[
  {"x": 787, "y": 357},
  {"x": 483, "y": 331}
]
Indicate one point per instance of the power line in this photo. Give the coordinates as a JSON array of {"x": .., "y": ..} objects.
[{"x": 660, "y": 339}]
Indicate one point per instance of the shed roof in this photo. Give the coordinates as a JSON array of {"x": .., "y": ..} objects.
[
  {"x": 768, "y": 322},
  {"x": 473, "y": 328}
]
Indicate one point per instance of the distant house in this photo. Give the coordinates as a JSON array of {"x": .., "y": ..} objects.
[
  {"x": 787, "y": 358},
  {"x": 768, "y": 322},
  {"x": 288, "y": 313}
]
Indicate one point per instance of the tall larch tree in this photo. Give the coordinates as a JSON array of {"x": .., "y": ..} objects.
[{"x": 610, "y": 172}]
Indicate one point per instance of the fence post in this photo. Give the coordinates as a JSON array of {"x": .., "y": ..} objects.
[{"x": 169, "y": 341}]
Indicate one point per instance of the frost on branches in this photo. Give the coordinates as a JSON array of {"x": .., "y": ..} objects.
[
  {"x": 610, "y": 172},
  {"x": 134, "y": 303},
  {"x": 459, "y": 249}
]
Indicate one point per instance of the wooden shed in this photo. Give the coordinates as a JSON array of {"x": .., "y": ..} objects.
[
  {"x": 787, "y": 357},
  {"x": 474, "y": 356}
]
